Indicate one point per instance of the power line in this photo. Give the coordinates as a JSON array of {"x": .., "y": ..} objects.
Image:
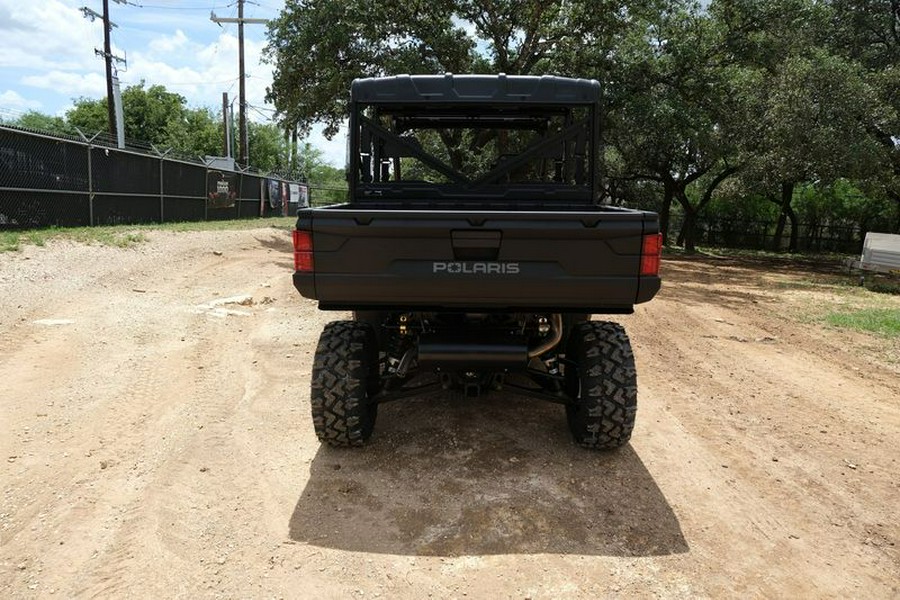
[
  {"x": 265, "y": 108},
  {"x": 262, "y": 114},
  {"x": 162, "y": 7},
  {"x": 190, "y": 83}
]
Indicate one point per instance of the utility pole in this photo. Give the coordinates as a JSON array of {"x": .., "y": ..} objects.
[
  {"x": 107, "y": 54},
  {"x": 242, "y": 99},
  {"x": 109, "y": 57},
  {"x": 242, "y": 88},
  {"x": 226, "y": 124}
]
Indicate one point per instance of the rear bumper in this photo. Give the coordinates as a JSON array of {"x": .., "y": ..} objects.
[{"x": 611, "y": 295}]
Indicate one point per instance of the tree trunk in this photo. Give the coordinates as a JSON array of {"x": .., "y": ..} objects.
[
  {"x": 689, "y": 231},
  {"x": 295, "y": 159},
  {"x": 896, "y": 197},
  {"x": 787, "y": 196},
  {"x": 688, "y": 235},
  {"x": 665, "y": 211},
  {"x": 795, "y": 230},
  {"x": 779, "y": 231},
  {"x": 289, "y": 159},
  {"x": 787, "y": 214},
  {"x": 451, "y": 141}
]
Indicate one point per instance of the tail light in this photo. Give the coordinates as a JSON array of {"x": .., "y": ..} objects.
[
  {"x": 650, "y": 254},
  {"x": 303, "y": 251}
]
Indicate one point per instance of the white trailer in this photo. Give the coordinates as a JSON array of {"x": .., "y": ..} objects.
[{"x": 881, "y": 254}]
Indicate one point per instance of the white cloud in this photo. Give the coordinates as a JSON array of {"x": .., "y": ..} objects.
[
  {"x": 14, "y": 101},
  {"x": 211, "y": 69},
  {"x": 46, "y": 35},
  {"x": 91, "y": 85},
  {"x": 169, "y": 43},
  {"x": 47, "y": 56},
  {"x": 49, "y": 46}
]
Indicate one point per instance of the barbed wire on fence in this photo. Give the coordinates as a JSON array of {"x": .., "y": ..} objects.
[{"x": 86, "y": 180}]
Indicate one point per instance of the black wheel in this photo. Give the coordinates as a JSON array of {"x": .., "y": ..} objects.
[
  {"x": 376, "y": 319},
  {"x": 570, "y": 321},
  {"x": 603, "y": 385},
  {"x": 342, "y": 384}
]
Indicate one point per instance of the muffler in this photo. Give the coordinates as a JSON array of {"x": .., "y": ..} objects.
[{"x": 460, "y": 354}]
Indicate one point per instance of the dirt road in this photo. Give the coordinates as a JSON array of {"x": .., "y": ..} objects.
[{"x": 155, "y": 441}]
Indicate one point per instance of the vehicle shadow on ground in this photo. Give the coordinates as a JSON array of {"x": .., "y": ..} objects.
[
  {"x": 493, "y": 475},
  {"x": 279, "y": 241},
  {"x": 702, "y": 282}
]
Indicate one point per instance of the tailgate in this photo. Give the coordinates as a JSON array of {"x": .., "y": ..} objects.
[{"x": 567, "y": 261}]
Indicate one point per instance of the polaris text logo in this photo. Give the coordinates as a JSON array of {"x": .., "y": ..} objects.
[{"x": 475, "y": 268}]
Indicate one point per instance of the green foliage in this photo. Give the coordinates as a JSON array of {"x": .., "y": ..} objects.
[
  {"x": 867, "y": 32},
  {"x": 37, "y": 121},
  {"x": 150, "y": 112},
  {"x": 341, "y": 40},
  {"x": 88, "y": 115},
  {"x": 719, "y": 107},
  {"x": 152, "y": 115},
  {"x": 162, "y": 118},
  {"x": 734, "y": 203},
  {"x": 268, "y": 150},
  {"x": 197, "y": 132},
  {"x": 816, "y": 122},
  {"x": 329, "y": 184},
  {"x": 843, "y": 203},
  {"x": 316, "y": 170}
]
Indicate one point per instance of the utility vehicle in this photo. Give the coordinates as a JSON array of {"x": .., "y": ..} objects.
[{"x": 473, "y": 249}]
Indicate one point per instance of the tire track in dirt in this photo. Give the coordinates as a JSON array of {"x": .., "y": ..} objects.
[
  {"x": 136, "y": 401},
  {"x": 780, "y": 425},
  {"x": 201, "y": 449}
]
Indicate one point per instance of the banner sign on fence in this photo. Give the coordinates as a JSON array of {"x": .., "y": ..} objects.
[
  {"x": 274, "y": 193},
  {"x": 304, "y": 195},
  {"x": 299, "y": 196},
  {"x": 221, "y": 189}
]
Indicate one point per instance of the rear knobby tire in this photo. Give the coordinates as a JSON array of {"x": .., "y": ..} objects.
[
  {"x": 603, "y": 385},
  {"x": 341, "y": 388}
]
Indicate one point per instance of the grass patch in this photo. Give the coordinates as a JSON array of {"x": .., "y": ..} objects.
[
  {"x": 884, "y": 286},
  {"x": 883, "y": 321},
  {"x": 9, "y": 241},
  {"x": 127, "y": 236},
  {"x": 836, "y": 284}
]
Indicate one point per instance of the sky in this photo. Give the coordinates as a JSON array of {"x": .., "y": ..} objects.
[{"x": 47, "y": 55}]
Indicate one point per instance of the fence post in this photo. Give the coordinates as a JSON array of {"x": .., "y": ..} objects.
[
  {"x": 240, "y": 193},
  {"x": 206, "y": 190},
  {"x": 162, "y": 196},
  {"x": 90, "y": 171}
]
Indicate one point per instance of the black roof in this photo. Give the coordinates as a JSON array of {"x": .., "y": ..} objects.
[{"x": 546, "y": 89}]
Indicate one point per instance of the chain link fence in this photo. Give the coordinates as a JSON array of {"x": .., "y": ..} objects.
[
  {"x": 48, "y": 180},
  {"x": 760, "y": 235}
]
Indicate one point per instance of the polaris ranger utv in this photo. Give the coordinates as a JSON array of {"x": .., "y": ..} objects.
[{"x": 473, "y": 250}]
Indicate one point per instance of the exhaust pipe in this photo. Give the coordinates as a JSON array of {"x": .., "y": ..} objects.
[
  {"x": 454, "y": 354},
  {"x": 460, "y": 353},
  {"x": 556, "y": 336}
]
